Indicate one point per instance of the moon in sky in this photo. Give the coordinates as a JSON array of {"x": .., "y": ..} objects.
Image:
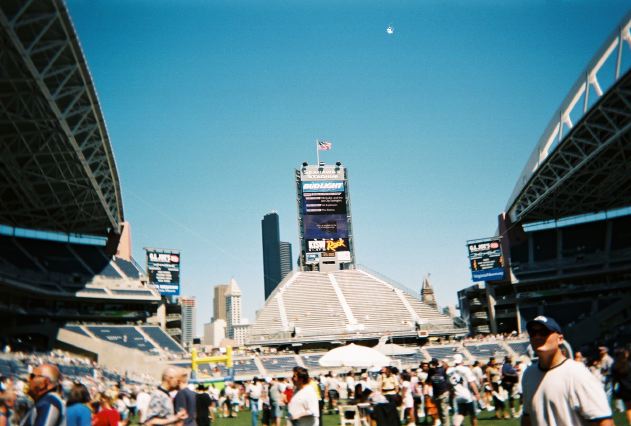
[{"x": 390, "y": 29}]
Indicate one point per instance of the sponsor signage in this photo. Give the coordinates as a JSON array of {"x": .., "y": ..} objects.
[
  {"x": 163, "y": 268},
  {"x": 486, "y": 260},
  {"x": 327, "y": 245},
  {"x": 330, "y": 199}
]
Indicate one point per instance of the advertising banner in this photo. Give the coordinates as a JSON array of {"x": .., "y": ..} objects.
[
  {"x": 163, "y": 268},
  {"x": 323, "y": 198},
  {"x": 485, "y": 260},
  {"x": 327, "y": 245}
]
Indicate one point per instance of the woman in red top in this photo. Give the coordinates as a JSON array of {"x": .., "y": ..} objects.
[{"x": 107, "y": 415}]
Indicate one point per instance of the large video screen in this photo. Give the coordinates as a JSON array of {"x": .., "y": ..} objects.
[
  {"x": 163, "y": 267},
  {"x": 485, "y": 260},
  {"x": 323, "y": 198},
  {"x": 324, "y": 218}
]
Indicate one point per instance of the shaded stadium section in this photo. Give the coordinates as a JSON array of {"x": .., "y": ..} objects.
[
  {"x": 59, "y": 189},
  {"x": 316, "y": 307},
  {"x": 566, "y": 231}
]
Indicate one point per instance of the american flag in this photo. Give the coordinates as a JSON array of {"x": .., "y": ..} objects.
[{"x": 324, "y": 146}]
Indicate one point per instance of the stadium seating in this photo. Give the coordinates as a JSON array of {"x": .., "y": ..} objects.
[
  {"x": 483, "y": 351},
  {"x": 278, "y": 364},
  {"x": 123, "y": 335},
  {"x": 163, "y": 340},
  {"x": 312, "y": 360},
  {"x": 245, "y": 367},
  {"x": 128, "y": 268},
  {"x": 409, "y": 360},
  {"x": 347, "y": 304},
  {"x": 444, "y": 352},
  {"x": 520, "y": 348}
]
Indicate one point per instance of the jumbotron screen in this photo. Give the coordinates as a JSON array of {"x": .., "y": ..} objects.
[
  {"x": 163, "y": 268},
  {"x": 324, "y": 212},
  {"x": 485, "y": 260}
]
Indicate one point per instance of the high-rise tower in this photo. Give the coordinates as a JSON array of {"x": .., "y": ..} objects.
[
  {"x": 188, "y": 320},
  {"x": 276, "y": 253}
]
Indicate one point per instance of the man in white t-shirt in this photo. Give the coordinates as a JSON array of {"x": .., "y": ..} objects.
[
  {"x": 559, "y": 391},
  {"x": 465, "y": 390}
]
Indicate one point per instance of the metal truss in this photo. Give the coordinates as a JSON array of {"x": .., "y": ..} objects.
[
  {"x": 583, "y": 168},
  {"x": 590, "y": 170},
  {"x": 57, "y": 169}
]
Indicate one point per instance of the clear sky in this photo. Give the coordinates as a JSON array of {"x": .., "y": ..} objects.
[{"x": 210, "y": 105}]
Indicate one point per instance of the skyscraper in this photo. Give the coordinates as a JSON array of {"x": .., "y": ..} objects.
[
  {"x": 188, "y": 320},
  {"x": 271, "y": 252},
  {"x": 219, "y": 302},
  {"x": 235, "y": 329},
  {"x": 285, "y": 259}
]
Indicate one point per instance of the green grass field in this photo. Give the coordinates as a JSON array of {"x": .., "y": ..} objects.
[{"x": 485, "y": 419}]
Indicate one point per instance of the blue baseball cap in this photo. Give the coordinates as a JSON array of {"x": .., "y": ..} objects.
[{"x": 547, "y": 322}]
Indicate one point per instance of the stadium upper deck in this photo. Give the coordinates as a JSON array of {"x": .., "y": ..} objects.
[
  {"x": 580, "y": 164},
  {"x": 57, "y": 173},
  {"x": 317, "y": 307},
  {"x": 573, "y": 268},
  {"x": 57, "y": 169}
]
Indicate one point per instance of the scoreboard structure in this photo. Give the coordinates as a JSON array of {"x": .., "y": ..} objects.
[{"x": 324, "y": 218}]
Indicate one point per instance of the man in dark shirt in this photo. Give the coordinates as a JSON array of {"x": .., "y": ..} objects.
[
  {"x": 203, "y": 403},
  {"x": 186, "y": 399},
  {"x": 437, "y": 377}
]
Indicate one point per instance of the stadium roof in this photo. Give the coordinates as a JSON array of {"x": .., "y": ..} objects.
[
  {"x": 57, "y": 169},
  {"x": 581, "y": 163},
  {"x": 348, "y": 305}
]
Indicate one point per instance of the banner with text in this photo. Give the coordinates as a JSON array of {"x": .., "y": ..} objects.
[
  {"x": 163, "y": 268},
  {"x": 485, "y": 260}
]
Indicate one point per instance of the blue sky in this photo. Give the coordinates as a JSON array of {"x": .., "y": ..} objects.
[{"x": 210, "y": 105}]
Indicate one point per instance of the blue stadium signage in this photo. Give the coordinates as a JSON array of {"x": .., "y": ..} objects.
[{"x": 486, "y": 260}]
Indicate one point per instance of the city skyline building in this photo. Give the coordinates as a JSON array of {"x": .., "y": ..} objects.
[
  {"x": 189, "y": 312},
  {"x": 233, "y": 312},
  {"x": 286, "y": 265},
  {"x": 276, "y": 253},
  {"x": 219, "y": 302}
]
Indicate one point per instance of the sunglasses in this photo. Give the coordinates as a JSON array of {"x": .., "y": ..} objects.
[
  {"x": 33, "y": 375},
  {"x": 539, "y": 331}
]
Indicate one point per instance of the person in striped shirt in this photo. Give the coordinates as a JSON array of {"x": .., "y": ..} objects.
[{"x": 49, "y": 409}]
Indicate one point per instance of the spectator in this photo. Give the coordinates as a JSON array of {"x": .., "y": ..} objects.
[
  {"x": 49, "y": 409},
  {"x": 77, "y": 411},
  {"x": 303, "y": 407},
  {"x": 558, "y": 390},
  {"x": 160, "y": 411},
  {"x": 509, "y": 381},
  {"x": 185, "y": 399},
  {"x": 465, "y": 391},
  {"x": 7, "y": 401},
  {"x": 107, "y": 415},
  {"x": 203, "y": 404},
  {"x": 621, "y": 374},
  {"x": 437, "y": 376},
  {"x": 254, "y": 392}
]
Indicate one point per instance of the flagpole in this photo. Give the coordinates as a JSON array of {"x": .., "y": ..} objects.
[{"x": 317, "y": 153}]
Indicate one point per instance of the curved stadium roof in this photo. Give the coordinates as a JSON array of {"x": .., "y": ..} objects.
[
  {"x": 581, "y": 163},
  {"x": 57, "y": 169},
  {"x": 350, "y": 305}
]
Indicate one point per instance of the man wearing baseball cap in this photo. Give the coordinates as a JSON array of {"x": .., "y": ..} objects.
[{"x": 557, "y": 390}]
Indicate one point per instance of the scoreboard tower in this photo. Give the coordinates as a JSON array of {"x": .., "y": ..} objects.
[{"x": 324, "y": 217}]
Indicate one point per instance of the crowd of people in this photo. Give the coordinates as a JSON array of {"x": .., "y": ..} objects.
[{"x": 552, "y": 389}]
